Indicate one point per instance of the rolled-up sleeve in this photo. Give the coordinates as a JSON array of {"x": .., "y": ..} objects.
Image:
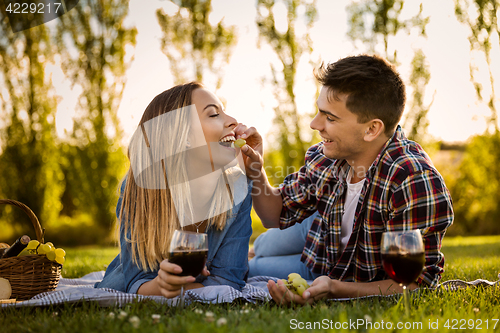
[{"x": 300, "y": 190}]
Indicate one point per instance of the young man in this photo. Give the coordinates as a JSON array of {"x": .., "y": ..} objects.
[{"x": 364, "y": 178}]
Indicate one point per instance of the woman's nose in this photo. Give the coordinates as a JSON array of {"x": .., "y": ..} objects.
[{"x": 230, "y": 121}]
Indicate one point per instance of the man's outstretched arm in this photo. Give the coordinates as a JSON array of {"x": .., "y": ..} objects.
[
  {"x": 324, "y": 288},
  {"x": 267, "y": 200}
]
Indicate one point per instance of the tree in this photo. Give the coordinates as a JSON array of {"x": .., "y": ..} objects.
[
  {"x": 91, "y": 39},
  {"x": 416, "y": 118},
  {"x": 29, "y": 171},
  {"x": 192, "y": 45},
  {"x": 476, "y": 192},
  {"x": 482, "y": 28},
  {"x": 373, "y": 23},
  {"x": 290, "y": 146}
]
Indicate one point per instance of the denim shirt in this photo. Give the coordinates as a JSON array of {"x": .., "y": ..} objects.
[{"x": 227, "y": 259}]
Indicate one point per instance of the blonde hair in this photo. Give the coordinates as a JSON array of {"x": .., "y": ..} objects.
[{"x": 149, "y": 216}]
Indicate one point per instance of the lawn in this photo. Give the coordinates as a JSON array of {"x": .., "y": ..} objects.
[{"x": 464, "y": 310}]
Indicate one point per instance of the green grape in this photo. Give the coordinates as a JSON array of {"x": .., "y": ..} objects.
[
  {"x": 240, "y": 142},
  {"x": 33, "y": 244},
  {"x": 24, "y": 252},
  {"x": 298, "y": 281},
  {"x": 297, "y": 284},
  {"x": 60, "y": 260},
  {"x": 44, "y": 249},
  {"x": 300, "y": 290},
  {"x": 40, "y": 249},
  {"x": 51, "y": 255},
  {"x": 60, "y": 252},
  {"x": 50, "y": 243}
]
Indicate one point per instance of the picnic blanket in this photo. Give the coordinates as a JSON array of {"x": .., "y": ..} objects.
[{"x": 82, "y": 289}]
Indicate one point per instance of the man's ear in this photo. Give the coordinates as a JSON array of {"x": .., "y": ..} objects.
[{"x": 374, "y": 129}]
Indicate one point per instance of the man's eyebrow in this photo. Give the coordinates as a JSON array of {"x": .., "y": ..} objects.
[
  {"x": 328, "y": 113},
  {"x": 209, "y": 105}
]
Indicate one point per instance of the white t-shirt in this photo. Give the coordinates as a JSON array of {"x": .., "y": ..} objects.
[{"x": 351, "y": 202}]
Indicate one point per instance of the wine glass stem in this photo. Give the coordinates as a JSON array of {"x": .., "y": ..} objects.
[
  {"x": 182, "y": 297},
  {"x": 406, "y": 301}
]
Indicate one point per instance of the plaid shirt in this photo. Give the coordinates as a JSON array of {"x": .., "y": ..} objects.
[{"x": 402, "y": 191}]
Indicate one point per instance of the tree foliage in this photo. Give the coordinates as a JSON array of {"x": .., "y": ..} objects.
[
  {"x": 289, "y": 47},
  {"x": 29, "y": 170},
  {"x": 416, "y": 121},
  {"x": 375, "y": 23},
  {"x": 192, "y": 45},
  {"x": 92, "y": 40},
  {"x": 482, "y": 27},
  {"x": 476, "y": 192}
]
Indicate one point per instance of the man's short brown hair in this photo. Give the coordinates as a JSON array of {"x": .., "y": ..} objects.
[{"x": 373, "y": 87}]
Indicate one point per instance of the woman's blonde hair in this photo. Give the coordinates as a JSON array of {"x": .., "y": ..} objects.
[{"x": 148, "y": 215}]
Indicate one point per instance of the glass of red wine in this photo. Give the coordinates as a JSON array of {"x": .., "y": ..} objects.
[
  {"x": 188, "y": 250},
  {"x": 403, "y": 257}
]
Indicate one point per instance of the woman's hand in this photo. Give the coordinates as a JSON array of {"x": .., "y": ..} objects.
[
  {"x": 169, "y": 282},
  {"x": 252, "y": 151}
]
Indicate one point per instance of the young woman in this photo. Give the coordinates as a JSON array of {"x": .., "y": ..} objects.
[{"x": 184, "y": 175}]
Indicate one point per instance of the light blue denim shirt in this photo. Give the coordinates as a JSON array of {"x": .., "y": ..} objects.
[{"x": 227, "y": 259}]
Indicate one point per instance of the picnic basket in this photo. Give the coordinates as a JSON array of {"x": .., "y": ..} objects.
[{"x": 32, "y": 274}]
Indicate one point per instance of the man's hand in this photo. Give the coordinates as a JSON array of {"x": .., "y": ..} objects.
[
  {"x": 282, "y": 296},
  {"x": 252, "y": 151},
  {"x": 267, "y": 200},
  {"x": 321, "y": 288},
  {"x": 324, "y": 288},
  {"x": 318, "y": 290}
]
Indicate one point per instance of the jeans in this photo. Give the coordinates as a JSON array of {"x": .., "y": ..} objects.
[{"x": 278, "y": 252}]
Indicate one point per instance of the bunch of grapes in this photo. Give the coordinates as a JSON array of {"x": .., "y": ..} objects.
[
  {"x": 296, "y": 284},
  {"x": 53, "y": 254}
]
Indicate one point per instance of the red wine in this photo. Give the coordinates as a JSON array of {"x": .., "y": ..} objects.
[
  {"x": 191, "y": 261},
  {"x": 405, "y": 268}
]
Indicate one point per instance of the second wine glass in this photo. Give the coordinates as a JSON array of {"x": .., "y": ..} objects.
[
  {"x": 189, "y": 250},
  {"x": 403, "y": 257}
]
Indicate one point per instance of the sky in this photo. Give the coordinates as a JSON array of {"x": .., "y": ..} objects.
[{"x": 455, "y": 114}]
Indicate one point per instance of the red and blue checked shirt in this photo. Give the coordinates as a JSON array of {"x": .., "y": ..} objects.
[{"x": 402, "y": 191}]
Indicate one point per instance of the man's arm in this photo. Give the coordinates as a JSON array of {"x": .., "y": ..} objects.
[
  {"x": 325, "y": 287},
  {"x": 267, "y": 200}
]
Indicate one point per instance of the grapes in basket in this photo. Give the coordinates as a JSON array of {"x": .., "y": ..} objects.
[{"x": 52, "y": 253}]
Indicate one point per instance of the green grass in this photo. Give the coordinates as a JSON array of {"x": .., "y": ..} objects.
[{"x": 466, "y": 258}]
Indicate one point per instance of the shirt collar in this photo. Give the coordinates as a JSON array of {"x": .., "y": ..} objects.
[{"x": 397, "y": 138}]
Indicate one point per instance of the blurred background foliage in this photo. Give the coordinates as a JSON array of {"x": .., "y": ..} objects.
[{"x": 71, "y": 184}]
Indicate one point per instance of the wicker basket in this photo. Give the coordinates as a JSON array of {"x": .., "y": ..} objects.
[{"x": 32, "y": 274}]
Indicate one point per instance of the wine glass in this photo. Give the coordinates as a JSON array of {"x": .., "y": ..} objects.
[
  {"x": 188, "y": 250},
  {"x": 403, "y": 257}
]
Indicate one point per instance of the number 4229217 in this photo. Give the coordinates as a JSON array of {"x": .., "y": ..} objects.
[
  {"x": 462, "y": 324},
  {"x": 38, "y": 8}
]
